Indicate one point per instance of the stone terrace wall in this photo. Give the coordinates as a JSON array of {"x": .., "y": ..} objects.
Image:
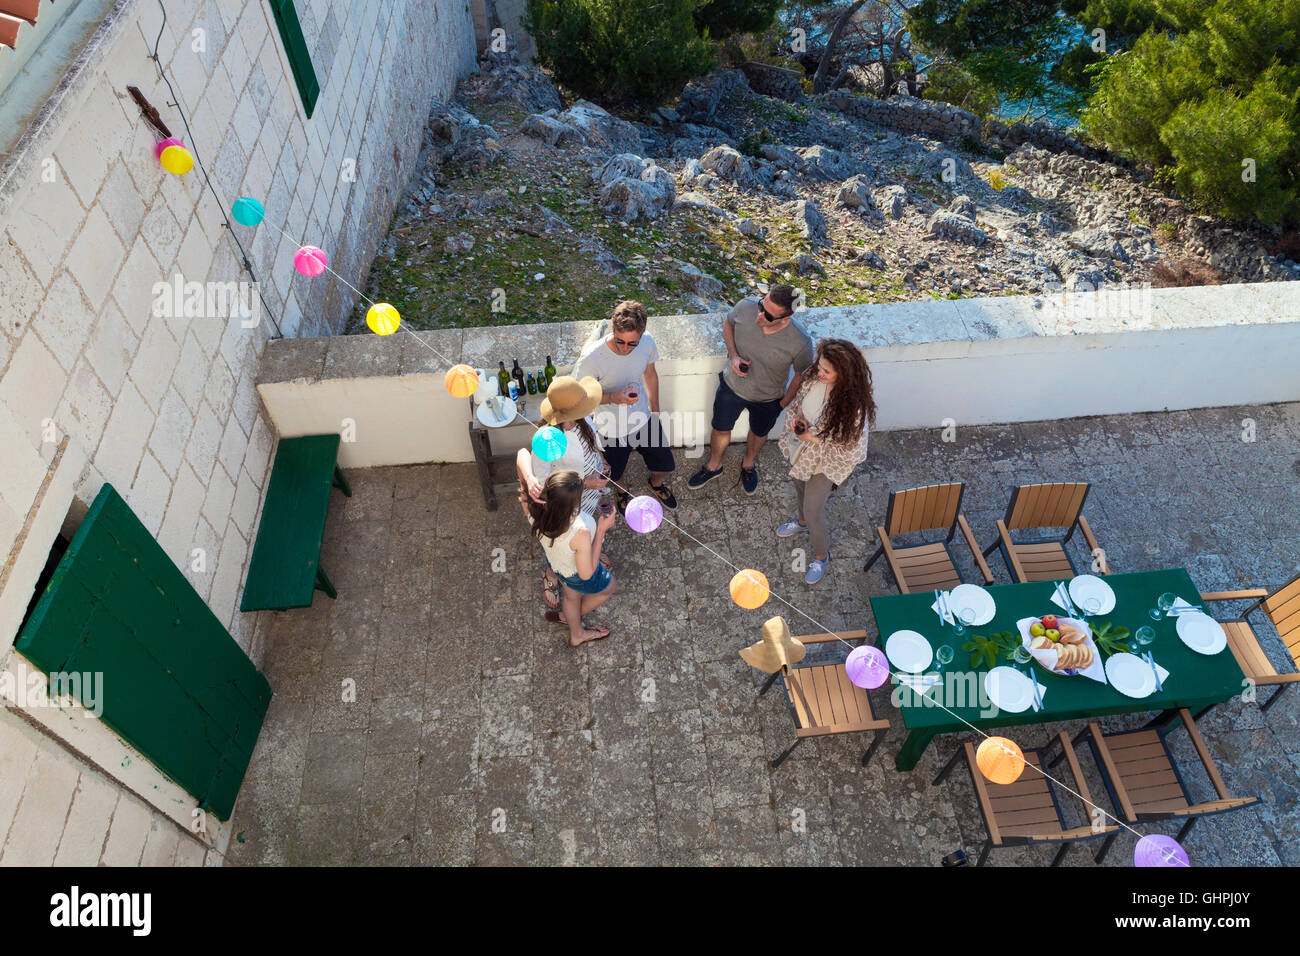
[{"x": 95, "y": 385}]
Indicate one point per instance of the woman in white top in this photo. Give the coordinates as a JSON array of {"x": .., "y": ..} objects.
[
  {"x": 825, "y": 438},
  {"x": 568, "y": 406},
  {"x": 571, "y": 540}
]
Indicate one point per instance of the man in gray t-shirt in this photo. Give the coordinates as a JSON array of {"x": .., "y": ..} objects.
[{"x": 764, "y": 344}]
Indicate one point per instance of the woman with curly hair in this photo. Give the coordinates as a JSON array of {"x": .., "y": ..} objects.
[{"x": 825, "y": 438}]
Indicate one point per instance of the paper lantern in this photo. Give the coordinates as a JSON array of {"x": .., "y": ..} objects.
[
  {"x": 1156, "y": 849},
  {"x": 461, "y": 381},
  {"x": 383, "y": 319},
  {"x": 1000, "y": 760},
  {"x": 177, "y": 160},
  {"x": 867, "y": 667},
  {"x": 644, "y": 514},
  {"x": 163, "y": 144},
  {"x": 549, "y": 443},
  {"x": 310, "y": 261},
  {"x": 248, "y": 211},
  {"x": 749, "y": 589}
]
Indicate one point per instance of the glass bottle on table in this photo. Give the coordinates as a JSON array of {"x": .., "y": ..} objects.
[
  {"x": 503, "y": 379},
  {"x": 550, "y": 372},
  {"x": 518, "y": 375},
  {"x": 532, "y": 384}
]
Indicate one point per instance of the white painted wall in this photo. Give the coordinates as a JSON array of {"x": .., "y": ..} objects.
[
  {"x": 977, "y": 361},
  {"x": 162, "y": 407}
]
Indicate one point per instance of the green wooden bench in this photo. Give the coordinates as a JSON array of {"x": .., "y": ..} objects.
[{"x": 285, "y": 570}]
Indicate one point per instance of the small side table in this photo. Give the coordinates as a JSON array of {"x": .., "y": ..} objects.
[{"x": 480, "y": 440}]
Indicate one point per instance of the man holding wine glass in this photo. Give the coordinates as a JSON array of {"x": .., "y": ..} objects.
[{"x": 623, "y": 362}]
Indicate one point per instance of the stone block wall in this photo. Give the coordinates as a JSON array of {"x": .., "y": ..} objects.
[{"x": 94, "y": 361}]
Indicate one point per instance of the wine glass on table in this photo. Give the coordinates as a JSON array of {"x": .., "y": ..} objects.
[
  {"x": 1163, "y": 604},
  {"x": 963, "y": 619}
]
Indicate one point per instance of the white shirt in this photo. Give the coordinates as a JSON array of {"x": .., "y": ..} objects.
[
  {"x": 814, "y": 402},
  {"x": 615, "y": 372},
  {"x": 577, "y": 458},
  {"x": 563, "y": 559}
]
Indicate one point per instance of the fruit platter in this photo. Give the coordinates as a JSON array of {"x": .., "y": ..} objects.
[{"x": 1062, "y": 645}]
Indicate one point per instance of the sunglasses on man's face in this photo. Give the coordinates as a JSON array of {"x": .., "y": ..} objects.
[
  {"x": 769, "y": 316},
  {"x": 627, "y": 345}
]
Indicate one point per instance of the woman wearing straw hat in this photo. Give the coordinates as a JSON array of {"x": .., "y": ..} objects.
[
  {"x": 825, "y": 438},
  {"x": 572, "y": 540},
  {"x": 568, "y": 405}
]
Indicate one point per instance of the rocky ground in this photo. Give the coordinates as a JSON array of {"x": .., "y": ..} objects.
[{"x": 523, "y": 210}]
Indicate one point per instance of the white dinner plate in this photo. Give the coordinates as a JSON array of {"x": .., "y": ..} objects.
[
  {"x": 974, "y": 597},
  {"x": 1087, "y": 586},
  {"x": 909, "y": 651},
  {"x": 1130, "y": 675},
  {"x": 1009, "y": 689},
  {"x": 1201, "y": 632},
  {"x": 485, "y": 414}
]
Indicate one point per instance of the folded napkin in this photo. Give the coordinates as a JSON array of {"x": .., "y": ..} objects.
[
  {"x": 946, "y": 618},
  {"x": 1058, "y": 601},
  {"x": 1164, "y": 674},
  {"x": 920, "y": 682},
  {"x": 1042, "y": 691},
  {"x": 1181, "y": 606}
]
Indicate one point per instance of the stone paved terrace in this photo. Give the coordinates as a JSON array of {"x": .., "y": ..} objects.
[{"x": 468, "y": 701}]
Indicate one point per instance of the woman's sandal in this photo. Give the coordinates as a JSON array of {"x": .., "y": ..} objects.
[{"x": 598, "y": 627}]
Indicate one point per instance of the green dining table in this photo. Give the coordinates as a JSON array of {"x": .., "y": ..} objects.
[{"x": 1195, "y": 680}]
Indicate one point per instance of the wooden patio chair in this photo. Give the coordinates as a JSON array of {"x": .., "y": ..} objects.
[
  {"x": 1145, "y": 783},
  {"x": 1057, "y": 504},
  {"x": 824, "y": 701},
  {"x": 1029, "y": 811},
  {"x": 1282, "y": 608},
  {"x": 924, "y": 567}
]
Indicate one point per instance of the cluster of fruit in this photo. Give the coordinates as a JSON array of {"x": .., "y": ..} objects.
[{"x": 1069, "y": 641}]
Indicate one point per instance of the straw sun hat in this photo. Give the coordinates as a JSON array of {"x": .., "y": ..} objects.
[
  {"x": 777, "y": 648},
  {"x": 568, "y": 400}
]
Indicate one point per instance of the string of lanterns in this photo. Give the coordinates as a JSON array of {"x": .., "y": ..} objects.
[{"x": 999, "y": 759}]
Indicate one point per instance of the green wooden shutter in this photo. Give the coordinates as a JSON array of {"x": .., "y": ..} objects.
[
  {"x": 286, "y": 18},
  {"x": 174, "y": 682}
]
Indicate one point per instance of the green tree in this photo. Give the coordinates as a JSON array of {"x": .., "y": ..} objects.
[
  {"x": 1210, "y": 96},
  {"x": 619, "y": 50},
  {"x": 718, "y": 19}
]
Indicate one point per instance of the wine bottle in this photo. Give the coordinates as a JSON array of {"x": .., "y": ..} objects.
[
  {"x": 550, "y": 372},
  {"x": 518, "y": 374},
  {"x": 503, "y": 379},
  {"x": 532, "y": 384}
]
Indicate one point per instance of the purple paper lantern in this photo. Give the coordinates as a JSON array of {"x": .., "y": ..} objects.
[
  {"x": 644, "y": 514},
  {"x": 867, "y": 667},
  {"x": 1156, "y": 849}
]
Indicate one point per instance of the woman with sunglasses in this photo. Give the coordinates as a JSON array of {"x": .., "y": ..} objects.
[{"x": 825, "y": 438}]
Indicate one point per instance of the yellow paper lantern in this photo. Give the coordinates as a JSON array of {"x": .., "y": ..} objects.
[
  {"x": 749, "y": 589},
  {"x": 1000, "y": 760},
  {"x": 383, "y": 319},
  {"x": 461, "y": 381},
  {"x": 177, "y": 160}
]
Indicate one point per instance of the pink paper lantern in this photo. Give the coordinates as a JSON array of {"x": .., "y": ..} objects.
[
  {"x": 867, "y": 667},
  {"x": 310, "y": 261},
  {"x": 1156, "y": 849},
  {"x": 644, "y": 514},
  {"x": 170, "y": 141}
]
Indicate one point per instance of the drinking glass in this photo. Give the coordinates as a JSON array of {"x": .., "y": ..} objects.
[
  {"x": 1145, "y": 635},
  {"x": 1021, "y": 654},
  {"x": 962, "y": 619},
  {"x": 1092, "y": 606},
  {"x": 943, "y": 656},
  {"x": 1163, "y": 604}
]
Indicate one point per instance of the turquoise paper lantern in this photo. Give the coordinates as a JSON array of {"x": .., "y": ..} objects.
[
  {"x": 550, "y": 443},
  {"x": 248, "y": 211}
]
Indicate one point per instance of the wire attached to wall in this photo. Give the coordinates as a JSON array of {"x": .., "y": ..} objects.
[{"x": 193, "y": 146}]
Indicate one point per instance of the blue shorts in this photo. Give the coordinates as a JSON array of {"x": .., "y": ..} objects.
[
  {"x": 727, "y": 406},
  {"x": 595, "y": 584}
]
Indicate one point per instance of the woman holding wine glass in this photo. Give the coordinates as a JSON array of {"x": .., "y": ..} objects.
[
  {"x": 568, "y": 405},
  {"x": 825, "y": 439}
]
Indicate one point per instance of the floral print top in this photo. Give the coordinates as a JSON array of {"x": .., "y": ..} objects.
[{"x": 835, "y": 460}]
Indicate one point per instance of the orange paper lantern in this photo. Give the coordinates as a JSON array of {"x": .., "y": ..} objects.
[
  {"x": 461, "y": 381},
  {"x": 1000, "y": 760},
  {"x": 749, "y": 589}
]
